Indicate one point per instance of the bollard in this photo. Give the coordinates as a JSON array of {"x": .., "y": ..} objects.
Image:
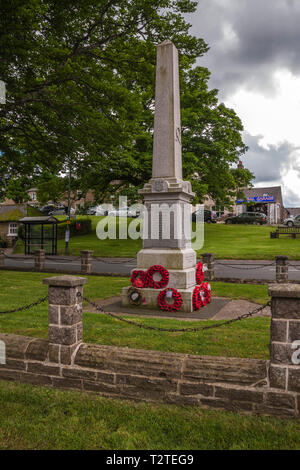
[
  {"x": 86, "y": 261},
  {"x": 65, "y": 317},
  {"x": 282, "y": 269},
  {"x": 2, "y": 258},
  {"x": 209, "y": 260},
  {"x": 284, "y": 371},
  {"x": 39, "y": 259}
]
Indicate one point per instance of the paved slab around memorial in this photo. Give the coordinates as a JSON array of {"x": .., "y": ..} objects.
[{"x": 114, "y": 305}]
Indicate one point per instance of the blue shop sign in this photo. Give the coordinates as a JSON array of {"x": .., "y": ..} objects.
[{"x": 257, "y": 199}]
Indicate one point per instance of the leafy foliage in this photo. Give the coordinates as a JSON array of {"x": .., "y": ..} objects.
[{"x": 80, "y": 94}]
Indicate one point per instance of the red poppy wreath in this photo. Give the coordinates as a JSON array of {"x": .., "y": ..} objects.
[
  {"x": 175, "y": 306},
  {"x": 199, "y": 273},
  {"x": 163, "y": 282},
  {"x": 138, "y": 278},
  {"x": 201, "y": 295}
]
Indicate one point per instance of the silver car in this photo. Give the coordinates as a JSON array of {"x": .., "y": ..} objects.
[{"x": 292, "y": 221}]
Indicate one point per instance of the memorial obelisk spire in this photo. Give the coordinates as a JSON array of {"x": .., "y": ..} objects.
[
  {"x": 167, "y": 215},
  {"x": 167, "y": 160}
]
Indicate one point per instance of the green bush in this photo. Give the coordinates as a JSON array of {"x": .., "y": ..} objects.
[
  {"x": 3, "y": 243},
  {"x": 77, "y": 227}
]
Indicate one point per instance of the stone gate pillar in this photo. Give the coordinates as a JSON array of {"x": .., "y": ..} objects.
[
  {"x": 284, "y": 370},
  {"x": 65, "y": 316},
  {"x": 209, "y": 260},
  {"x": 86, "y": 261},
  {"x": 39, "y": 259},
  {"x": 282, "y": 269},
  {"x": 2, "y": 258}
]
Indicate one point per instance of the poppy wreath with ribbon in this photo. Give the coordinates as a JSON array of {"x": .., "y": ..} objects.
[
  {"x": 175, "y": 306},
  {"x": 199, "y": 273},
  {"x": 138, "y": 278},
  {"x": 134, "y": 296},
  {"x": 201, "y": 295},
  {"x": 163, "y": 282}
]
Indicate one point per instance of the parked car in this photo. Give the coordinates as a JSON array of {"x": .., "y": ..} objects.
[
  {"x": 58, "y": 212},
  {"x": 91, "y": 211},
  {"x": 47, "y": 209},
  {"x": 292, "y": 221},
  {"x": 208, "y": 216},
  {"x": 256, "y": 218},
  {"x": 124, "y": 212}
]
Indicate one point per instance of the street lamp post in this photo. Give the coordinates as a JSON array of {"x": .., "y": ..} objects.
[{"x": 67, "y": 234}]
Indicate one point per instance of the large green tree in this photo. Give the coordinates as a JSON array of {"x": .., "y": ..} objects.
[{"x": 80, "y": 94}]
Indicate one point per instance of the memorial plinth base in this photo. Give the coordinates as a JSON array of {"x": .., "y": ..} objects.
[
  {"x": 177, "y": 259},
  {"x": 181, "y": 265},
  {"x": 150, "y": 299}
]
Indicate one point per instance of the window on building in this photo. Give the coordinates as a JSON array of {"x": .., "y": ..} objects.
[
  {"x": 13, "y": 229},
  {"x": 33, "y": 196}
]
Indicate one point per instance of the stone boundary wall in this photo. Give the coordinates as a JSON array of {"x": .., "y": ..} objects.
[
  {"x": 245, "y": 385},
  {"x": 234, "y": 384},
  {"x": 205, "y": 381}
]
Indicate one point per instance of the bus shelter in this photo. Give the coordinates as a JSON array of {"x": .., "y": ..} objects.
[{"x": 40, "y": 233}]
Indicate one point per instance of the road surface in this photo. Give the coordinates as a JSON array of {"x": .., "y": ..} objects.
[{"x": 233, "y": 269}]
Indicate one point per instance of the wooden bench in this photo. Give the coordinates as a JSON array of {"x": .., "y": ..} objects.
[{"x": 290, "y": 232}]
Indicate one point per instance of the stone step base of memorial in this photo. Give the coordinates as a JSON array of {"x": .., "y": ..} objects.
[
  {"x": 150, "y": 296},
  {"x": 178, "y": 278},
  {"x": 169, "y": 258}
]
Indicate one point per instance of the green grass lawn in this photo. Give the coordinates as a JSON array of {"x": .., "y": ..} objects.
[
  {"x": 247, "y": 338},
  {"x": 226, "y": 241},
  {"x": 33, "y": 417}
]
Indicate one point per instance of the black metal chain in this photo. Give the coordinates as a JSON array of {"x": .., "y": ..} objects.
[
  {"x": 236, "y": 266},
  {"x": 296, "y": 266},
  {"x": 62, "y": 260},
  {"x": 104, "y": 260},
  {"x": 26, "y": 307},
  {"x": 174, "y": 330},
  {"x": 18, "y": 257}
]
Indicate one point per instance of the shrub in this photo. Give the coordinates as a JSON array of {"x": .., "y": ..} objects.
[
  {"x": 77, "y": 227},
  {"x": 3, "y": 243}
]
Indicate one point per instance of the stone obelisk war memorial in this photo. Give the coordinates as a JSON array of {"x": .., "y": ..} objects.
[{"x": 165, "y": 278}]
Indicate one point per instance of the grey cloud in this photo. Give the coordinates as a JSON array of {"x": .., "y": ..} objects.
[
  {"x": 265, "y": 37},
  {"x": 268, "y": 165},
  {"x": 290, "y": 198}
]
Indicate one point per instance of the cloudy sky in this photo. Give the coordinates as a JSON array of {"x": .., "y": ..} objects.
[{"x": 254, "y": 59}]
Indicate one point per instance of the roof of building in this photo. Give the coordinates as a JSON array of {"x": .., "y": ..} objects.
[
  {"x": 47, "y": 219},
  {"x": 271, "y": 194},
  {"x": 293, "y": 210},
  {"x": 12, "y": 212},
  {"x": 274, "y": 191},
  {"x": 15, "y": 212}
]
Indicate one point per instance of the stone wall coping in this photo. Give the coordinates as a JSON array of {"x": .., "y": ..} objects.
[
  {"x": 65, "y": 281},
  {"x": 284, "y": 290},
  {"x": 86, "y": 251},
  {"x": 282, "y": 257}
]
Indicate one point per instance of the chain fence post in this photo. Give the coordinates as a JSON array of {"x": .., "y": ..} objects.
[
  {"x": 209, "y": 260},
  {"x": 86, "y": 261},
  {"x": 2, "y": 258},
  {"x": 282, "y": 269},
  {"x": 284, "y": 371},
  {"x": 65, "y": 316},
  {"x": 39, "y": 259}
]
